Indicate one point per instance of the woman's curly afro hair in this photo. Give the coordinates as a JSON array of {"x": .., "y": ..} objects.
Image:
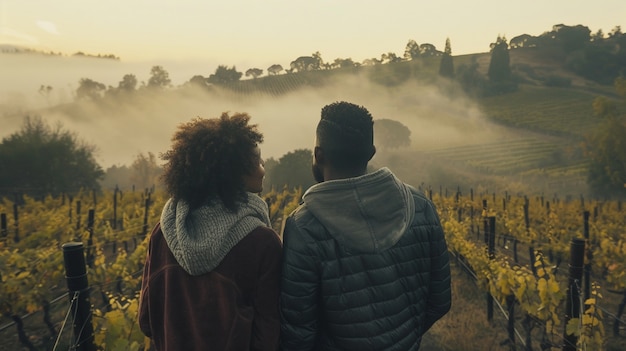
[{"x": 209, "y": 158}]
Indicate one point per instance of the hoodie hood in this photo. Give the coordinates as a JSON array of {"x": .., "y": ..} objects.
[
  {"x": 200, "y": 239},
  {"x": 369, "y": 213}
]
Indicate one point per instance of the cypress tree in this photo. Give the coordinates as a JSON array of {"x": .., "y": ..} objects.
[
  {"x": 446, "y": 66},
  {"x": 499, "y": 66}
]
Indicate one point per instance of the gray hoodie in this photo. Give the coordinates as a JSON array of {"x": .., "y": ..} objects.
[
  {"x": 365, "y": 214},
  {"x": 200, "y": 239}
]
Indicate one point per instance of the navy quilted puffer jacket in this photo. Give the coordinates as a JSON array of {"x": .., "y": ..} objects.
[{"x": 365, "y": 267}]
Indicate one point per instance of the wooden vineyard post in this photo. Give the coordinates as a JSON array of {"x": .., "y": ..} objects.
[
  {"x": 77, "y": 214},
  {"x": 492, "y": 237},
  {"x": 90, "y": 249},
  {"x": 472, "y": 218},
  {"x": 531, "y": 248},
  {"x": 71, "y": 199},
  {"x": 16, "y": 223},
  {"x": 145, "y": 215},
  {"x": 459, "y": 209},
  {"x": 620, "y": 311},
  {"x": 3, "y": 225},
  {"x": 510, "y": 326},
  {"x": 485, "y": 223},
  {"x": 587, "y": 266},
  {"x": 115, "y": 207},
  {"x": 78, "y": 287},
  {"x": 491, "y": 249},
  {"x": 572, "y": 300}
]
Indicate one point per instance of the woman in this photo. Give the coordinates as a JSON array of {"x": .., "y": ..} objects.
[{"x": 211, "y": 279}]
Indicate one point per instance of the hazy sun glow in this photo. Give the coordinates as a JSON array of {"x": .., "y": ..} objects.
[{"x": 260, "y": 33}]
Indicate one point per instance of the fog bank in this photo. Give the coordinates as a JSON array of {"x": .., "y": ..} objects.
[{"x": 438, "y": 116}]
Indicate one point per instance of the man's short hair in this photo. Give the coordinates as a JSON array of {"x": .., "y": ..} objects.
[{"x": 346, "y": 134}]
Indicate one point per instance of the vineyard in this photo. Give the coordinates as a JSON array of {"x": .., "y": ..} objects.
[
  {"x": 34, "y": 298},
  {"x": 515, "y": 248},
  {"x": 537, "y": 108},
  {"x": 520, "y": 251}
]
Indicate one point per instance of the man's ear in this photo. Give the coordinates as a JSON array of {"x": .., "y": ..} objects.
[
  {"x": 318, "y": 155},
  {"x": 373, "y": 152}
]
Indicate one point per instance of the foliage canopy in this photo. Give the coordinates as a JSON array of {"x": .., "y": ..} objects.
[
  {"x": 292, "y": 170},
  {"x": 606, "y": 146},
  {"x": 39, "y": 160},
  {"x": 391, "y": 134}
]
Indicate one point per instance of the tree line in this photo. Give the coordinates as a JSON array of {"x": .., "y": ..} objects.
[{"x": 597, "y": 57}]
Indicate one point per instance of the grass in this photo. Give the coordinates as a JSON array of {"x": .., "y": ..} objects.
[{"x": 465, "y": 327}]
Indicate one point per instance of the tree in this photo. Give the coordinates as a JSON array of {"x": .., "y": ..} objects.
[
  {"x": 343, "y": 63},
  {"x": 371, "y": 62},
  {"x": 446, "y": 66},
  {"x": 605, "y": 147},
  {"x": 117, "y": 176},
  {"x": 598, "y": 36},
  {"x": 412, "y": 50},
  {"x": 523, "y": 41},
  {"x": 159, "y": 78},
  {"x": 145, "y": 171},
  {"x": 224, "y": 75},
  {"x": 500, "y": 65},
  {"x": 274, "y": 69},
  {"x": 304, "y": 63},
  {"x": 40, "y": 160},
  {"x": 45, "y": 91},
  {"x": 254, "y": 72},
  {"x": 318, "y": 58},
  {"x": 128, "y": 83},
  {"x": 292, "y": 170},
  {"x": 390, "y": 57},
  {"x": 391, "y": 134},
  {"x": 572, "y": 38},
  {"x": 601, "y": 59},
  {"x": 429, "y": 50},
  {"x": 198, "y": 81},
  {"x": 89, "y": 89}
]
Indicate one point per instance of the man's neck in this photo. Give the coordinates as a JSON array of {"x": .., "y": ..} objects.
[{"x": 332, "y": 174}]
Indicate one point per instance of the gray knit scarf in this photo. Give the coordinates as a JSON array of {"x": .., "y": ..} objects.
[{"x": 200, "y": 239}]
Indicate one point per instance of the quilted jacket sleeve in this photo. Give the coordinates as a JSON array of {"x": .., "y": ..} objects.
[
  {"x": 299, "y": 289},
  {"x": 439, "y": 296}
]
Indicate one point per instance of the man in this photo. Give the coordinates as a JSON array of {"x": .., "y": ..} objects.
[{"x": 365, "y": 262}]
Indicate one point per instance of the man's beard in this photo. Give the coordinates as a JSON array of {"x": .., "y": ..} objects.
[{"x": 318, "y": 175}]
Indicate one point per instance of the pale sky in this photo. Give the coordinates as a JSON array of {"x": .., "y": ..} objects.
[{"x": 257, "y": 33}]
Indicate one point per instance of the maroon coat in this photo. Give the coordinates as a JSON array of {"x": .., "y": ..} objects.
[{"x": 233, "y": 307}]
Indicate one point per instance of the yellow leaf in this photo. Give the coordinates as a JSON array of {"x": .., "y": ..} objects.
[
  {"x": 572, "y": 327},
  {"x": 591, "y": 301},
  {"x": 22, "y": 275},
  {"x": 554, "y": 287}
]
